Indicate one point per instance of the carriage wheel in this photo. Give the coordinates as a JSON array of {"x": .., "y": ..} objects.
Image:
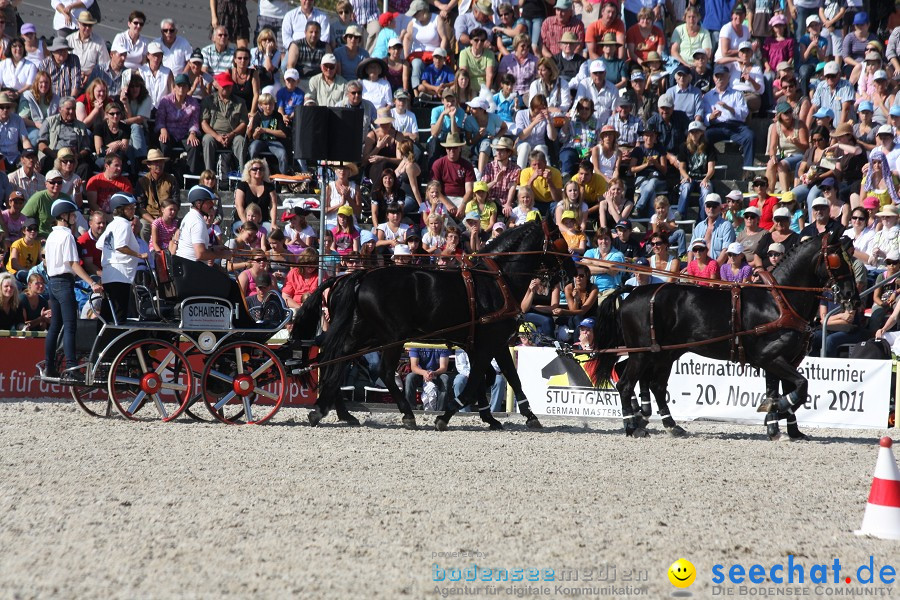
[
  {"x": 243, "y": 383},
  {"x": 150, "y": 380},
  {"x": 94, "y": 401}
]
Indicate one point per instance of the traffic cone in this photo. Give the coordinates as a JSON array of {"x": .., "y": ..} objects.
[{"x": 882, "y": 516}]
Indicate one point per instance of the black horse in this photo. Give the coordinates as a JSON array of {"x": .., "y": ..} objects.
[
  {"x": 691, "y": 315},
  {"x": 380, "y": 308}
]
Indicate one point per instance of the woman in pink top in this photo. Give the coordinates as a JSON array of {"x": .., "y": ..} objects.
[
  {"x": 780, "y": 47},
  {"x": 702, "y": 266}
]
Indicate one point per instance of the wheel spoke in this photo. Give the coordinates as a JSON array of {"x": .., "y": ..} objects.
[
  {"x": 138, "y": 400},
  {"x": 247, "y": 409},
  {"x": 128, "y": 380},
  {"x": 222, "y": 376},
  {"x": 238, "y": 356},
  {"x": 259, "y": 371},
  {"x": 141, "y": 360},
  {"x": 159, "y": 405},
  {"x": 165, "y": 363},
  {"x": 225, "y": 400},
  {"x": 264, "y": 393},
  {"x": 173, "y": 386}
]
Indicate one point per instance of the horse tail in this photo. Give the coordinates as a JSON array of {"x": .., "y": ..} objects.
[
  {"x": 608, "y": 334},
  {"x": 306, "y": 321}
]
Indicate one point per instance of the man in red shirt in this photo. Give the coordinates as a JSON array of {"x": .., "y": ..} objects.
[
  {"x": 87, "y": 244},
  {"x": 553, "y": 27},
  {"x": 456, "y": 175},
  {"x": 609, "y": 22},
  {"x": 103, "y": 185}
]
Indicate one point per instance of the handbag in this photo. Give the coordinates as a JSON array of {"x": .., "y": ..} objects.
[{"x": 871, "y": 349}]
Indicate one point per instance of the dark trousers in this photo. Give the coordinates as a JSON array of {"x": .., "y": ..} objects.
[
  {"x": 65, "y": 318},
  {"x": 116, "y": 302},
  {"x": 736, "y": 132},
  {"x": 193, "y": 164}
]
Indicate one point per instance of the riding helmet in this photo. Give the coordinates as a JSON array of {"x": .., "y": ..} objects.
[
  {"x": 200, "y": 193},
  {"x": 120, "y": 199},
  {"x": 61, "y": 207}
]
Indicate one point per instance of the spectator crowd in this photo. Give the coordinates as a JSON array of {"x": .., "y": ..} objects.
[{"x": 608, "y": 119}]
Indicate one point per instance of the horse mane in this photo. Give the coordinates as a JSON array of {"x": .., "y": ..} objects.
[
  {"x": 790, "y": 256},
  {"x": 512, "y": 238}
]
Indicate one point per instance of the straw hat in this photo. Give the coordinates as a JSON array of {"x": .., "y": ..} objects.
[
  {"x": 454, "y": 140},
  {"x": 888, "y": 211},
  {"x": 384, "y": 116},
  {"x": 155, "y": 155}
]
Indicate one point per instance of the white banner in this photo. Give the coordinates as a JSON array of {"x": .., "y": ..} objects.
[{"x": 842, "y": 393}]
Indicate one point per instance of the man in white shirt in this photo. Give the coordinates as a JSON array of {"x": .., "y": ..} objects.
[
  {"x": 193, "y": 237},
  {"x": 157, "y": 78},
  {"x": 725, "y": 112},
  {"x": 176, "y": 50},
  {"x": 293, "y": 28},
  {"x": 89, "y": 47},
  {"x": 602, "y": 92},
  {"x": 404, "y": 121},
  {"x": 747, "y": 78}
]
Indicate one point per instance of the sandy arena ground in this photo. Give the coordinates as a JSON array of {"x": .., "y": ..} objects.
[{"x": 93, "y": 508}]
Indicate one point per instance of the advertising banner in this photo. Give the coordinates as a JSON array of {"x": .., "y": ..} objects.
[{"x": 842, "y": 392}]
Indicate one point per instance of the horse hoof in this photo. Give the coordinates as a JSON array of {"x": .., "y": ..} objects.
[
  {"x": 677, "y": 431},
  {"x": 495, "y": 425},
  {"x": 314, "y": 417},
  {"x": 765, "y": 406},
  {"x": 799, "y": 437},
  {"x": 351, "y": 420},
  {"x": 640, "y": 432},
  {"x": 533, "y": 423},
  {"x": 410, "y": 423},
  {"x": 640, "y": 421},
  {"x": 440, "y": 425}
]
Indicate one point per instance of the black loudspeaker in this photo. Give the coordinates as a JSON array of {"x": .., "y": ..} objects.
[{"x": 323, "y": 133}]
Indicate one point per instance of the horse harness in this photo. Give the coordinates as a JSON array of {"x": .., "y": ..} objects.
[
  {"x": 510, "y": 307},
  {"x": 787, "y": 319}
]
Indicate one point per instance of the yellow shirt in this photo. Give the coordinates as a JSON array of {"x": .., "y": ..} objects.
[
  {"x": 540, "y": 186},
  {"x": 490, "y": 209},
  {"x": 29, "y": 255},
  {"x": 593, "y": 188}
]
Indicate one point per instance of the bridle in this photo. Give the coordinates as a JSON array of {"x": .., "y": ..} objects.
[
  {"x": 556, "y": 248},
  {"x": 831, "y": 260}
]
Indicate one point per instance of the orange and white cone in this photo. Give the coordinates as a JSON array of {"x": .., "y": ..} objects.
[{"x": 882, "y": 516}]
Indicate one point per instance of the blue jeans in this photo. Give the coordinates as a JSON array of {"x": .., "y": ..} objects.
[
  {"x": 676, "y": 240},
  {"x": 533, "y": 27},
  {"x": 543, "y": 323},
  {"x": 736, "y": 132},
  {"x": 802, "y": 15},
  {"x": 684, "y": 194},
  {"x": 568, "y": 160},
  {"x": 647, "y": 190},
  {"x": 418, "y": 65},
  {"x": 65, "y": 318},
  {"x": 276, "y": 148},
  {"x": 804, "y": 195},
  {"x": 138, "y": 140},
  {"x": 414, "y": 382}
]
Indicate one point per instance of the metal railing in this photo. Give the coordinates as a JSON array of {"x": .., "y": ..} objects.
[{"x": 863, "y": 294}]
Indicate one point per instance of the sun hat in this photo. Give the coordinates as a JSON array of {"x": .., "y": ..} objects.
[
  {"x": 783, "y": 107},
  {"x": 59, "y": 43},
  {"x": 870, "y": 202},
  {"x": 608, "y": 129},
  {"x": 887, "y": 211},
  {"x": 86, "y": 18},
  {"x": 402, "y": 250},
  {"x": 366, "y": 236},
  {"x": 781, "y": 213},
  {"x": 609, "y": 39},
  {"x": 454, "y": 140},
  {"x": 384, "y": 116},
  {"x": 502, "y": 143},
  {"x": 842, "y": 129},
  {"x": 568, "y": 38},
  {"x": 154, "y": 155}
]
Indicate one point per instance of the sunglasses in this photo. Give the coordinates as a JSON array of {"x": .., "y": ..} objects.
[
  {"x": 256, "y": 168},
  {"x": 31, "y": 229},
  {"x": 712, "y": 205},
  {"x": 580, "y": 274},
  {"x": 55, "y": 182},
  {"x": 891, "y": 263},
  {"x": 169, "y": 30},
  {"x": 138, "y": 23},
  {"x": 67, "y": 160},
  {"x": 699, "y": 250},
  {"x": 826, "y": 188},
  {"x": 329, "y": 67},
  {"x": 774, "y": 254},
  {"x": 857, "y": 218}
]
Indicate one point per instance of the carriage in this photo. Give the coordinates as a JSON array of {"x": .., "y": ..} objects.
[{"x": 194, "y": 340}]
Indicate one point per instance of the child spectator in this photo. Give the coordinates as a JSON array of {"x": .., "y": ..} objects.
[
  {"x": 290, "y": 96},
  {"x": 524, "y": 207},
  {"x": 163, "y": 227},
  {"x": 346, "y": 236},
  {"x": 267, "y": 130},
  {"x": 433, "y": 240}
]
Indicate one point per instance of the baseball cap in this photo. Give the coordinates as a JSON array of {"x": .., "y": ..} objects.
[
  {"x": 721, "y": 69},
  {"x": 623, "y": 224},
  {"x": 346, "y": 210},
  {"x": 885, "y": 130},
  {"x": 598, "y": 66},
  {"x": 696, "y": 126},
  {"x": 567, "y": 214},
  {"x": 394, "y": 41},
  {"x": 828, "y": 182},
  {"x": 637, "y": 75},
  {"x": 820, "y": 201},
  {"x": 813, "y": 19},
  {"x": 735, "y": 195},
  {"x": 182, "y": 79},
  {"x": 880, "y": 74},
  {"x": 895, "y": 111},
  {"x": 752, "y": 210},
  {"x": 400, "y": 94},
  {"x": 402, "y": 250},
  {"x": 832, "y": 68},
  {"x": 781, "y": 213},
  {"x": 480, "y": 186},
  {"x": 865, "y": 105},
  {"x": 870, "y": 202},
  {"x": 473, "y": 215},
  {"x": 745, "y": 45},
  {"x": 776, "y": 247},
  {"x": 824, "y": 113},
  {"x": 861, "y": 18},
  {"x": 735, "y": 248},
  {"x": 589, "y": 323},
  {"x": 154, "y": 48},
  {"x": 665, "y": 101},
  {"x": 439, "y": 52},
  {"x": 196, "y": 55},
  {"x": 328, "y": 59},
  {"x": 27, "y": 28},
  {"x": 713, "y": 199},
  {"x": 698, "y": 243},
  {"x": 292, "y": 74}
]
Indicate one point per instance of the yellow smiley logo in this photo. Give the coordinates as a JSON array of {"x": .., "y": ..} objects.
[{"x": 682, "y": 573}]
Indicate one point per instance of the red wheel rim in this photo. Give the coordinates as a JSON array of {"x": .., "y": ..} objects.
[
  {"x": 243, "y": 383},
  {"x": 150, "y": 380}
]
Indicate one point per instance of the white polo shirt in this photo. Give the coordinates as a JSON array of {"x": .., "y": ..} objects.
[
  {"x": 193, "y": 231},
  {"x": 59, "y": 251},
  {"x": 118, "y": 267}
]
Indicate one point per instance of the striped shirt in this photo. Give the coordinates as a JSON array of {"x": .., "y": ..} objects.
[
  {"x": 65, "y": 78},
  {"x": 217, "y": 62}
]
